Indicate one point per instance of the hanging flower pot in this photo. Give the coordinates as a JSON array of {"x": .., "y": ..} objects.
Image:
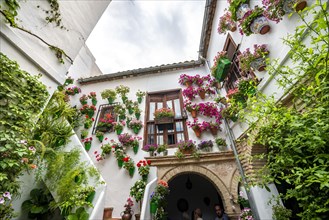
[
  {"x": 100, "y": 138},
  {"x": 188, "y": 83},
  {"x": 288, "y": 5},
  {"x": 131, "y": 171},
  {"x": 145, "y": 177},
  {"x": 131, "y": 111},
  {"x": 90, "y": 113},
  {"x": 135, "y": 148},
  {"x": 213, "y": 130},
  {"x": 139, "y": 100},
  {"x": 242, "y": 10},
  {"x": 83, "y": 102},
  {"x": 118, "y": 131},
  {"x": 110, "y": 100},
  {"x": 153, "y": 207},
  {"x": 194, "y": 113},
  {"x": 197, "y": 132},
  {"x": 136, "y": 130},
  {"x": 260, "y": 25},
  {"x": 138, "y": 115},
  {"x": 91, "y": 196},
  {"x": 202, "y": 93},
  {"x": 124, "y": 99},
  {"x": 122, "y": 117},
  {"x": 120, "y": 163},
  {"x": 94, "y": 101},
  {"x": 87, "y": 146},
  {"x": 258, "y": 64}
]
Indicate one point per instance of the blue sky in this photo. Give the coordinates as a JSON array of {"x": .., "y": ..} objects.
[{"x": 137, "y": 34}]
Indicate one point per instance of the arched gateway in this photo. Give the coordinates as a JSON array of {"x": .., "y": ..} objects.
[{"x": 218, "y": 168}]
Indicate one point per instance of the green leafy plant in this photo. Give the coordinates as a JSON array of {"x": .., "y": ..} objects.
[
  {"x": 109, "y": 94},
  {"x": 137, "y": 190},
  {"x": 80, "y": 214},
  {"x": 248, "y": 18},
  {"x": 234, "y": 5}
]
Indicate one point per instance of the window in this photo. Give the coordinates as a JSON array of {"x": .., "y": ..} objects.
[
  {"x": 234, "y": 73},
  {"x": 106, "y": 115},
  {"x": 171, "y": 133}
]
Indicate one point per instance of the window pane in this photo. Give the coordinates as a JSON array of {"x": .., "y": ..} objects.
[
  {"x": 150, "y": 128},
  {"x": 178, "y": 111},
  {"x": 150, "y": 139},
  {"x": 171, "y": 139},
  {"x": 152, "y": 109},
  {"x": 160, "y": 131},
  {"x": 160, "y": 139},
  {"x": 179, "y": 126},
  {"x": 169, "y": 104},
  {"x": 160, "y": 105},
  {"x": 180, "y": 137},
  {"x": 171, "y": 128}
]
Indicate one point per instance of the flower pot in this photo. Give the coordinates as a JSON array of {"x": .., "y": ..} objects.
[
  {"x": 187, "y": 151},
  {"x": 288, "y": 5},
  {"x": 102, "y": 128},
  {"x": 131, "y": 171},
  {"x": 135, "y": 148},
  {"x": 126, "y": 215},
  {"x": 110, "y": 100},
  {"x": 165, "y": 153},
  {"x": 131, "y": 111},
  {"x": 91, "y": 113},
  {"x": 87, "y": 146},
  {"x": 118, "y": 131},
  {"x": 197, "y": 132},
  {"x": 139, "y": 100},
  {"x": 194, "y": 113},
  {"x": 120, "y": 163},
  {"x": 258, "y": 64},
  {"x": 164, "y": 120},
  {"x": 136, "y": 130},
  {"x": 87, "y": 125},
  {"x": 83, "y": 102},
  {"x": 145, "y": 177},
  {"x": 242, "y": 10},
  {"x": 231, "y": 27},
  {"x": 153, "y": 207},
  {"x": 151, "y": 153},
  {"x": 188, "y": 84},
  {"x": 202, "y": 94},
  {"x": 91, "y": 196},
  {"x": 213, "y": 131},
  {"x": 100, "y": 138},
  {"x": 137, "y": 115},
  {"x": 260, "y": 25},
  {"x": 137, "y": 216},
  {"x": 94, "y": 101}
]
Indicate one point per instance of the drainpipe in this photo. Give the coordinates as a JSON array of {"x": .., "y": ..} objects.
[{"x": 238, "y": 162}]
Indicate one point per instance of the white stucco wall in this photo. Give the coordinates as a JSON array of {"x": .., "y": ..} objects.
[{"x": 117, "y": 192}]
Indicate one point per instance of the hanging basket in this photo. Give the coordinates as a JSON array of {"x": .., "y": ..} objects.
[
  {"x": 164, "y": 120},
  {"x": 222, "y": 69}
]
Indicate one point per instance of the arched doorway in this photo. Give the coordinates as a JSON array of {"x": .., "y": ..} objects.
[{"x": 189, "y": 191}]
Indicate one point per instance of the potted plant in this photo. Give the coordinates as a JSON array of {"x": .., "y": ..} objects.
[
  {"x": 192, "y": 108},
  {"x": 118, "y": 126},
  {"x": 221, "y": 66},
  {"x": 119, "y": 155},
  {"x": 276, "y": 9},
  {"x": 100, "y": 135},
  {"x": 87, "y": 143},
  {"x": 83, "y": 99},
  {"x": 185, "y": 80},
  {"x": 186, "y": 147},
  {"x": 137, "y": 190},
  {"x": 135, "y": 143},
  {"x": 92, "y": 96},
  {"x": 238, "y": 8},
  {"x": 128, "y": 212},
  {"x": 125, "y": 139},
  {"x": 150, "y": 148},
  {"x": 123, "y": 91},
  {"x": 162, "y": 148},
  {"x": 213, "y": 127},
  {"x": 163, "y": 116},
  {"x": 255, "y": 60},
  {"x": 254, "y": 22},
  {"x": 226, "y": 23},
  {"x": 135, "y": 125},
  {"x": 88, "y": 110},
  {"x": 246, "y": 214},
  {"x": 220, "y": 142},
  {"x": 88, "y": 122},
  {"x": 129, "y": 105},
  {"x": 190, "y": 93},
  {"x": 106, "y": 149},
  {"x": 140, "y": 96},
  {"x": 137, "y": 111},
  {"x": 109, "y": 94},
  {"x": 144, "y": 168},
  {"x": 106, "y": 123},
  {"x": 158, "y": 200},
  {"x": 68, "y": 81},
  {"x": 196, "y": 126},
  {"x": 129, "y": 165},
  {"x": 84, "y": 134},
  {"x": 205, "y": 145},
  {"x": 120, "y": 111},
  {"x": 73, "y": 90}
]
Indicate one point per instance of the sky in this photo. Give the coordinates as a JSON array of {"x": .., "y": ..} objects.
[{"x": 138, "y": 34}]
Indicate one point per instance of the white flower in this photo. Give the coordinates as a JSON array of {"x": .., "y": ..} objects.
[
  {"x": 32, "y": 149},
  {"x": 2, "y": 200},
  {"x": 7, "y": 195},
  {"x": 23, "y": 142}
]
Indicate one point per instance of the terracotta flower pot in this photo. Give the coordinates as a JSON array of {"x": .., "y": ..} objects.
[
  {"x": 213, "y": 130},
  {"x": 197, "y": 132},
  {"x": 188, "y": 84},
  {"x": 194, "y": 113},
  {"x": 202, "y": 94}
]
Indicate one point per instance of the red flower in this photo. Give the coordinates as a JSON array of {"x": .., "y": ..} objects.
[
  {"x": 95, "y": 152},
  {"x": 126, "y": 159},
  {"x": 87, "y": 116},
  {"x": 92, "y": 119},
  {"x": 138, "y": 165},
  {"x": 149, "y": 162}
]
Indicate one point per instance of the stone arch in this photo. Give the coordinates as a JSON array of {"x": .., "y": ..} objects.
[{"x": 212, "y": 177}]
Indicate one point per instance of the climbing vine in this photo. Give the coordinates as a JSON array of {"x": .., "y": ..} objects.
[
  {"x": 297, "y": 136},
  {"x": 10, "y": 13}
]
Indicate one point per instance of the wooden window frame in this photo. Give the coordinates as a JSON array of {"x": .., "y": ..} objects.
[
  {"x": 102, "y": 110},
  {"x": 234, "y": 72},
  {"x": 167, "y": 95}
]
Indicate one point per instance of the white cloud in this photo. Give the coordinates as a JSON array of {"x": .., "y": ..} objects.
[{"x": 137, "y": 34}]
